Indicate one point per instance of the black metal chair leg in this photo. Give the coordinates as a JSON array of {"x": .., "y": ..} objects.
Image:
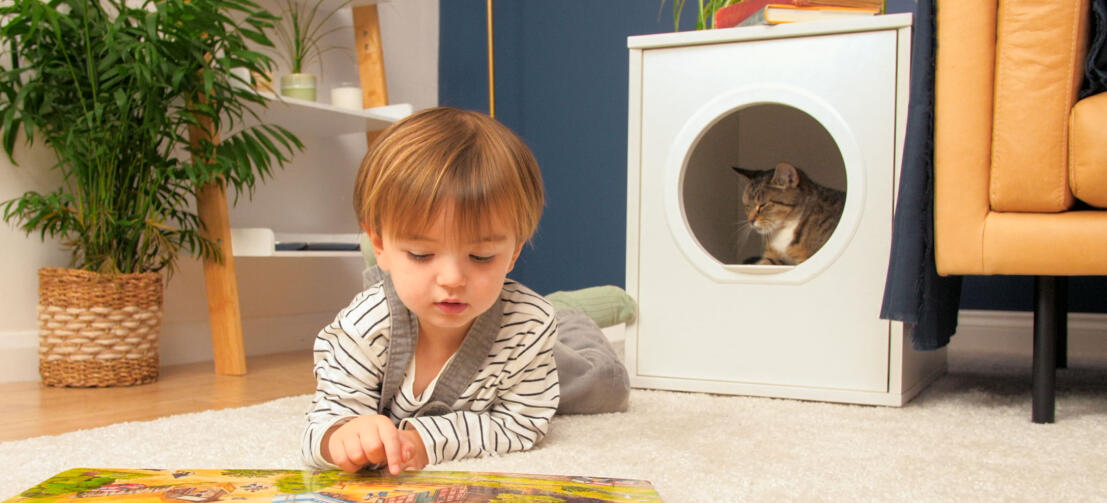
[
  {"x": 1062, "y": 322},
  {"x": 1045, "y": 349}
]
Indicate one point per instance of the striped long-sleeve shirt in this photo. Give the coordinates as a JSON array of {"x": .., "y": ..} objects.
[{"x": 507, "y": 407}]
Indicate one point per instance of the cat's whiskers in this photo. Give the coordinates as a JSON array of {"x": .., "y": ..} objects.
[{"x": 742, "y": 233}]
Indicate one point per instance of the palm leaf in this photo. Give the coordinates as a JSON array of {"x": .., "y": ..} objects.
[{"x": 113, "y": 88}]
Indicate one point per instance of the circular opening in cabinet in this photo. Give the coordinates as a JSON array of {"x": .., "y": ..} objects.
[{"x": 801, "y": 200}]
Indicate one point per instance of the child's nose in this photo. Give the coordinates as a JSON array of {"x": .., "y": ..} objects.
[{"x": 450, "y": 273}]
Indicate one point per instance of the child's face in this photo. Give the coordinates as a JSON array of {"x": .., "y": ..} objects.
[{"x": 445, "y": 278}]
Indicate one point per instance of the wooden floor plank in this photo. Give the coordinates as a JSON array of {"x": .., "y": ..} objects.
[{"x": 32, "y": 409}]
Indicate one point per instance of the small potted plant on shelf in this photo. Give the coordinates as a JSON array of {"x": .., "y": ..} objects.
[
  {"x": 131, "y": 97},
  {"x": 301, "y": 34}
]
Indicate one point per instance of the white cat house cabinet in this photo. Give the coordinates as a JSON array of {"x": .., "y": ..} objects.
[{"x": 829, "y": 97}]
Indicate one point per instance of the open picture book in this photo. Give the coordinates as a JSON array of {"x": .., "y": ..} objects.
[{"x": 277, "y": 486}]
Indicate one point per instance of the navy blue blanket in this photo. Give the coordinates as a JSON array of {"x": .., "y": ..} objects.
[
  {"x": 1095, "y": 66},
  {"x": 913, "y": 291}
]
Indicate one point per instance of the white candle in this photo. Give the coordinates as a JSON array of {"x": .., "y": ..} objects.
[
  {"x": 242, "y": 73},
  {"x": 346, "y": 97}
]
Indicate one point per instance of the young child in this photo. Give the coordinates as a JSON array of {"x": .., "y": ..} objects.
[{"x": 443, "y": 357}]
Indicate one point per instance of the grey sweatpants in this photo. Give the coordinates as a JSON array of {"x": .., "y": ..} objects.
[{"x": 593, "y": 378}]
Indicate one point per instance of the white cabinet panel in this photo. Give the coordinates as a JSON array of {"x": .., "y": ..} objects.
[{"x": 828, "y": 97}]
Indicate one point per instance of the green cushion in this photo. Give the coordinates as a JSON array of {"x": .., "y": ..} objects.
[{"x": 607, "y": 305}]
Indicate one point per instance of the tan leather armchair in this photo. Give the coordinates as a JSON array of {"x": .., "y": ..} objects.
[{"x": 1020, "y": 165}]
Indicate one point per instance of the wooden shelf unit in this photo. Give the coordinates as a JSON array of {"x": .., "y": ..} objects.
[{"x": 299, "y": 116}]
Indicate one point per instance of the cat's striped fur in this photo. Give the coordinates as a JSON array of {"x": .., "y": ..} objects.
[{"x": 794, "y": 215}]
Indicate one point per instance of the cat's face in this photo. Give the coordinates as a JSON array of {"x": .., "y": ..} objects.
[{"x": 769, "y": 199}]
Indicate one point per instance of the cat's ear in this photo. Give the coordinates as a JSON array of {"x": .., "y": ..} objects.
[
  {"x": 785, "y": 176},
  {"x": 748, "y": 174}
]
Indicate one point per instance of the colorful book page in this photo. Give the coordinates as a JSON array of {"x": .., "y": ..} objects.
[{"x": 279, "y": 486}]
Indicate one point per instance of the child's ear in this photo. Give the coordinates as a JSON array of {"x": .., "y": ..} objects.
[
  {"x": 514, "y": 257},
  {"x": 378, "y": 247}
]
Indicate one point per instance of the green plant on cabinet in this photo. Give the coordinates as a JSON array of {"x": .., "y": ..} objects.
[{"x": 704, "y": 11}]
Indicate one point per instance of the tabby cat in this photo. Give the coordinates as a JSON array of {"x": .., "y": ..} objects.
[{"x": 794, "y": 215}]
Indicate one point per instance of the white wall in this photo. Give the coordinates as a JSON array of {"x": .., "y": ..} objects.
[{"x": 284, "y": 302}]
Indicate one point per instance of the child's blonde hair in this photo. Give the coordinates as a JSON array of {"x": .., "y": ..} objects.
[{"x": 446, "y": 155}]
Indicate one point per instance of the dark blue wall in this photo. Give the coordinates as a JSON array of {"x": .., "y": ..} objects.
[{"x": 561, "y": 83}]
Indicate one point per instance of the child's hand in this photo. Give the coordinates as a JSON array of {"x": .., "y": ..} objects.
[
  {"x": 369, "y": 440},
  {"x": 418, "y": 459}
]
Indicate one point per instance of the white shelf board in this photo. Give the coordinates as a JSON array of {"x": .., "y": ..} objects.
[
  {"x": 338, "y": 4},
  {"x": 330, "y": 5},
  {"x": 311, "y": 254},
  {"x": 310, "y": 118},
  {"x": 262, "y": 242}
]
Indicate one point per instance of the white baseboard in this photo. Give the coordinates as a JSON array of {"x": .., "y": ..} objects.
[
  {"x": 179, "y": 342},
  {"x": 19, "y": 356},
  {"x": 1012, "y": 333}
]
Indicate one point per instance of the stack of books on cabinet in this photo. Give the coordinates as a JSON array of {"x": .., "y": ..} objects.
[{"x": 771, "y": 12}]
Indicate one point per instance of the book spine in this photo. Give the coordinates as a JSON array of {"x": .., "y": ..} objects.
[
  {"x": 864, "y": 4},
  {"x": 778, "y": 14}
]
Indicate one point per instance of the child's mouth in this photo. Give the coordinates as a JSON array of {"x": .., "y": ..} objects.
[{"x": 451, "y": 307}]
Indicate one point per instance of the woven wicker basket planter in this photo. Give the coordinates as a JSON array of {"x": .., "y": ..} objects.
[{"x": 98, "y": 330}]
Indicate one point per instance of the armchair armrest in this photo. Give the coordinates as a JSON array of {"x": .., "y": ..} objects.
[
  {"x": 963, "y": 87},
  {"x": 1088, "y": 150}
]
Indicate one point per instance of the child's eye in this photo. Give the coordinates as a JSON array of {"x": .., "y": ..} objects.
[
  {"x": 482, "y": 258},
  {"x": 419, "y": 257}
]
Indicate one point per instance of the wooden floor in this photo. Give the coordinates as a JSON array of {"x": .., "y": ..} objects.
[{"x": 31, "y": 409}]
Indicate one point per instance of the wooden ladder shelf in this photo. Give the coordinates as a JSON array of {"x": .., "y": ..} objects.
[{"x": 228, "y": 350}]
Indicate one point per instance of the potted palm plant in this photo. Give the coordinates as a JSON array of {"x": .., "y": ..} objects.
[
  {"x": 130, "y": 96},
  {"x": 302, "y": 33}
]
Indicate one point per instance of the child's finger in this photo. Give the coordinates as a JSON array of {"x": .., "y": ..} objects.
[
  {"x": 349, "y": 467},
  {"x": 342, "y": 459},
  {"x": 369, "y": 445},
  {"x": 390, "y": 439},
  {"x": 337, "y": 449},
  {"x": 357, "y": 453},
  {"x": 338, "y": 457},
  {"x": 410, "y": 462},
  {"x": 409, "y": 447}
]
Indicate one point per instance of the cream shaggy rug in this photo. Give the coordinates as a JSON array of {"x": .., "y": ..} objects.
[{"x": 966, "y": 438}]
